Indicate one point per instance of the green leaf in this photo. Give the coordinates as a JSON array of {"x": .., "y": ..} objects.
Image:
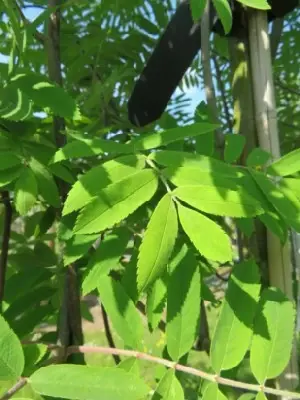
[
  {"x": 207, "y": 236},
  {"x": 197, "y": 9},
  {"x": 247, "y": 396},
  {"x": 260, "y": 396},
  {"x": 33, "y": 353},
  {"x": 200, "y": 162},
  {"x": 275, "y": 224},
  {"x": 14, "y": 104},
  {"x": 292, "y": 184},
  {"x": 130, "y": 365},
  {"x": 147, "y": 142},
  {"x": 77, "y": 247},
  {"x": 157, "y": 243},
  {"x": 183, "y": 305},
  {"x": 25, "y": 191},
  {"x": 236, "y": 318},
  {"x": 62, "y": 172},
  {"x": 90, "y": 184},
  {"x": 116, "y": 202},
  {"x": 45, "y": 94},
  {"x": 273, "y": 335},
  {"x": 257, "y": 157},
  {"x": 89, "y": 148},
  {"x": 169, "y": 388},
  {"x": 105, "y": 258},
  {"x": 246, "y": 225},
  {"x": 9, "y": 175},
  {"x": 234, "y": 144},
  {"x": 46, "y": 185},
  {"x": 224, "y": 12},
  {"x": 212, "y": 392},
  {"x": 124, "y": 316},
  {"x": 84, "y": 382},
  {"x": 156, "y": 301},
  {"x": 9, "y": 160},
  {"x": 219, "y": 200},
  {"x": 286, "y": 203},
  {"x": 11, "y": 354},
  {"x": 188, "y": 176},
  {"x": 286, "y": 165},
  {"x": 259, "y": 4},
  {"x": 12, "y": 14}
]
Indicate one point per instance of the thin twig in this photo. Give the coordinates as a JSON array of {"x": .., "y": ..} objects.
[
  {"x": 37, "y": 35},
  {"x": 13, "y": 390},
  {"x": 5, "y": 242},
  {"x": 108, "y": 335},
  {"x": 183, "y": 368}
]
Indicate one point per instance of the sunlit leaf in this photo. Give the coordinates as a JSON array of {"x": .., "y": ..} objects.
[
  {"x": 207, "y": 236},
  {"x": 125, "y": 318},
  {"x": 183, "y": 305},
  {"x": 26, "y": 191},
  {"x": 273, "y": 335},
  {"x": 157, "y": 243},
  {"x": 11, "y": 354},
  {"x": 236, "y": 317},
  {"x": 85, "y": 382},
  {"x": 169, "y": 388},
  {"x": 116, "y": 202}
]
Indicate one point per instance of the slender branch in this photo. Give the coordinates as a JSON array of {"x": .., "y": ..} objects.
[
  {"x": 183, "y": 368},
  {"x": 5, "y": 242},
  {"x": 13, "y": 390},
  {"x": 108, "y": 335}
]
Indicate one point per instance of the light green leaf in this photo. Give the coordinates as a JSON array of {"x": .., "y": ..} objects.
[
  {"x": 11, "y": 353},
  {"x": 105, "y": 258},
  {"x": 292, "y": 184},
  {"x": 212, "y": 392},
  {"x": 273, "y": 335},
  {"x": 236, "y": 317},
  {"x": 257, "y": 157},
  {"x": 124, "y": 316},
  {"x": 25, "y": 191},
  {"x": 183, "y": 305},
  {"x": 285, "y": 203},
  {"x": 224, "y": 12},
  {"x": 259, "y": 4},
  {"x": 90, "y": 184},
  {"x": 156, "y": 301},
  {"x": 77, "y": 247},
  {"x": 188, "y": 176},
  {"x": 116, "y": 202},
  {"x": 89, "y": 148},
  {"x": 14, "y": 104},
  {"x": 46, "y": 185},
  {"x": 202, "y": 163},
  {"x": 234, "y": 144},
  {"x": 207, "y": 236},
  {"x": 169, "y": 388},
  {"x": 219, "y": 200},
  {"x": 286, "y": 165},
  {"x": 197, "y": 9},
  {"x": 260, "y": 396},
  {"x": 78, "y": 382},
  {"x": 147, "y": 142},
  {"x": 9, "y": 160},
  {"x": 157, "y": 243}
]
